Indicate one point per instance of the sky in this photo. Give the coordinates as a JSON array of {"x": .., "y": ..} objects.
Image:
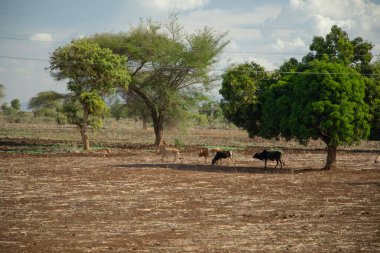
[{"x": 267, "y": 32}]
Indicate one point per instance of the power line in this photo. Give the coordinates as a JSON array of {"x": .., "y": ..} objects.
[
  {"x": 187, "y": 68},
  {"x": 33, "y": 40},
  {"x": 22, "y": 58},
  {"x": 227, "y": 52}
]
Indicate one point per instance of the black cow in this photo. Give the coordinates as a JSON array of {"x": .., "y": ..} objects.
[
  {"x": 270, "y": 155},
  {"x": 220, "y": 155}
]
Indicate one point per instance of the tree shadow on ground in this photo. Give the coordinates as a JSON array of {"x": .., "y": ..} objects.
[{"x": 219, "y": 169}]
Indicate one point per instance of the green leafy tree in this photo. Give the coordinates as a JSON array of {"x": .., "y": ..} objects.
[
  {"x": 170, "y": 69},
  {"x": 212, "y": 111},
  {"x": 137, "y": 109},
  {"x": 337, "y": 47},
  {"x": 118, "y": 110},
  {"x": 48, "y": 104},
  {"x": 326, "y": 101},
  {"x": 12, "y": 112},
  {"x": 92, "y": 72},
  {"x": 15, "y": 104},
  {"x": 373, "y": 100},
  {"x": 6, "y": 109},
  {"x": 241, "y": 89},
  {"x": 2, "y": 91}
]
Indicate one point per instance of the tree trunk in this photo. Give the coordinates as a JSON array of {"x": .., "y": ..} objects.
[
  {"x": 331, "y": 158},
  {"x": 158, "y": 131},
  {"x": 83, "y": 129},
  {"x": 145, "y": 124},
  {"x": 85, "y": 140},
  {"x": 158, "y": 124}
]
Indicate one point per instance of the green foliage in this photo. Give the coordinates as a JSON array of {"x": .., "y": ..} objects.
[
  {"x": 48, "y": 104},
  {"x": 170, "y": 69},
  {"x": 326, "y": 101},
  {"x": 118, "y": 110},
  {"x": 89, "y": 67},
  {"x": 92, "y": 72},
  {"x": 337, "y": 47},
  {"x": 46, "y": 100},
  {"x": 15, "y": 104},
  {"x": 13, "y": 113},
  {"x": 212, "y": 111},
  {"x": 73, "y": 111},
  {"x": 2, "y": 91},
  {"x": 94, "y": 103},
  {"x": 241, "y": 88},
  {"x": 178, "y": 143},
  {"x": 373, "y": 100}
]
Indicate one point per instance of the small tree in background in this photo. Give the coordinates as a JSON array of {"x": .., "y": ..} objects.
[
  {"x": 212, "y": 112},
  {"x": 118, "y": 109},
  {"x": 137, "y": 109},
  {"x": 2, "y": 91},
  {"x": 15, "y": 105},
  {"x": 48, "y": 104}
]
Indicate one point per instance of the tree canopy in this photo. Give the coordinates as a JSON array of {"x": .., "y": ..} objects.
[
  {"x": 169, "y": 68},
  {"x": 91, "y": 72},
  {"x": 241, "y": 89},
  {"x": 326, "y": 101},
  {"x": 330, "y": 95}
]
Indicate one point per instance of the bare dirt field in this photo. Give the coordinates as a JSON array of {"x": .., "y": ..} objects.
[{"x": 131, "y": 201}]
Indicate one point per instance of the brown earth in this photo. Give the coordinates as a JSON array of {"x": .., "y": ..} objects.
[{"x": 131, "y": 201}]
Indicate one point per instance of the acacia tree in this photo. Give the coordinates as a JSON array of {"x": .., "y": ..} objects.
[
  {"x": 169, "y": 69},
  {"x": 91, "y": 72},
  {"x": 325, "y": 101}
]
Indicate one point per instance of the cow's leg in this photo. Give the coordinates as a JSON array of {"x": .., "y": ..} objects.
[{"x": 265, "y": 163}]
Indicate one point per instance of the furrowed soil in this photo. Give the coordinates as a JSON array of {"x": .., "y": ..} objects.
[{"x": 131, "y": 201}]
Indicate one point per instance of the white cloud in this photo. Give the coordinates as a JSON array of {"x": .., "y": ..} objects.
[
  {"x": 42, "y": 37},
  {"x": 288, "y": 45},
  {"x": 324, "y": 24},
  {"x": 175, "y": 5},
  {"x": 296, "y": 4},
  {"x": 348, "y": 14},
  {"x": 231, "y": 18}
]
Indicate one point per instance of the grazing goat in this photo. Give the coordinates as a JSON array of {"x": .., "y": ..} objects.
[
  {"x": 206, "y": 152},
  {"x": 221, "y": 155},
  {"x": 270, "y": 155},
  {"x": 166, "y": 152}
]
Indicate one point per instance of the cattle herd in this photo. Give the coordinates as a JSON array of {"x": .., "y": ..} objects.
[{"x": 220, "y": 154}]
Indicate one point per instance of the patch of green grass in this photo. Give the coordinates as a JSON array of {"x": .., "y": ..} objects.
[{"x": 227, "y": 148}]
